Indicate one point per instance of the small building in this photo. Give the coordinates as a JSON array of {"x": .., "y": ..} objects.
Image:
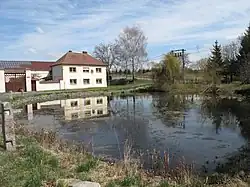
[{"x": 71, "y": 71}]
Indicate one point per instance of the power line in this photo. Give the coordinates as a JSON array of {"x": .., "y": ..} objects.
[{"x": 198, "y": 51}]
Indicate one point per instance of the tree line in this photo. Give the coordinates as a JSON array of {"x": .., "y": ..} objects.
[{"x": 228, "y": 63}]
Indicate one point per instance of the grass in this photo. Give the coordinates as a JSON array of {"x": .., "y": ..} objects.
[
  {"x": 28, "y": 167},
  {"x": 42, "y": 159},
  {"x": 164, "y": 184},
  {"x": 87, "y": 165},
  {"x": 234, "y": 88}
]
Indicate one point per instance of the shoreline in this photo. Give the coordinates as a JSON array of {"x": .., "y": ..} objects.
[
  {"x": 139, "y": 87},
  {"x": 66, "y": 160}
]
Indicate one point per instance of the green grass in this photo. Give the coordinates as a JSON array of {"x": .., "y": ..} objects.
[
  {"x": 30, "y": 166},
  {"x": 164, "y": 184},
  {"x": 87, "y": 166},
  {"x": 128, "y": 181}
]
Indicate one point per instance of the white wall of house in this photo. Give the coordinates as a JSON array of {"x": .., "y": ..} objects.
[
  {"x": 28, "y": 80},
  {"x": 82, "y": 77},
  {"x": 2, "y": 81},
  {"x": 40, "y": 74},
  {"x": 40, "y": 86}
]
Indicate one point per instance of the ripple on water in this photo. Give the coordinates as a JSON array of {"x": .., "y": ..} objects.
[
  {"x": 197, "y": 134},
  {"x": 221, "y": 146},
  {"x": 207, "y": 138},
  {"x": 179, "y": 132}
]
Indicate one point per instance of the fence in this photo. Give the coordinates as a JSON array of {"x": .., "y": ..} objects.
[{"x": 8, "y": 126}]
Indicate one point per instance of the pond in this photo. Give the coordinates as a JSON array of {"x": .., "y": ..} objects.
[{"x": 207, "y": 132}]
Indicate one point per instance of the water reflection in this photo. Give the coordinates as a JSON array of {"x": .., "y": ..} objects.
[
  {"x": 71, "y": 109},
  {"x": 231, "y": 113},
  {"x": 203, "y": 130}
]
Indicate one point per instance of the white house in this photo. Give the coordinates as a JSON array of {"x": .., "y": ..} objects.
[{"x": 79, "y": 70}]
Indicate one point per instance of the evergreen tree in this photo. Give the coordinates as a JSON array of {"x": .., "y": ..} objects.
[
  {"x": 244, "y": 57},
  {"x": 215, "y": 64},
  {"x": 245, "y": 46}
]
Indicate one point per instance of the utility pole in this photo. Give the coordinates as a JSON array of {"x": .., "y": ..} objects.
[{"x": 180, "y": 53}]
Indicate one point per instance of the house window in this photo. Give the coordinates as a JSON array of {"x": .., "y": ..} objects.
[
  {"x": 87, "y": 113},
  {"x": 74, "y": 103},
  {"x": 87, "y": 102},
  {"x": 73, "y": 81},
  {"x": 72, "y": 69},
  {"x": 86, "y": 81},
  {"x": 99, "y": 101},
  {"x": 98, "y": 70},
  {"x": 74, "y": 115},
  {"x": 98, "y": 81},
  {"x": 85, "y": 70},
  {"x": 99, "y": 112}
]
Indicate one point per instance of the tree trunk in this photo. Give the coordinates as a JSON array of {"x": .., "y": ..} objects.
[
  {"x": 108, "y": 78},
  {"x": 231, "y": 78},
  {"x": 133, "y": 70},
  {"x": 126, "y": 70}
]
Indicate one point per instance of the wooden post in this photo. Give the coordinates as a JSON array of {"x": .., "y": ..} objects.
[{"x": 8, "y": 125}]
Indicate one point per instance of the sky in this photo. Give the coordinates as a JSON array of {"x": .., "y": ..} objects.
[{"x": 46, "y": 29}]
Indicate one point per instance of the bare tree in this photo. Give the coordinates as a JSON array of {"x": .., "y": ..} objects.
[
  {"x": 107, "y": 54},
  {"x": 132, "y": 45},
  {"x": 231, "y": 50},
  {"x": 230, "y": 53},
  {"x": 201, "y": 64}
]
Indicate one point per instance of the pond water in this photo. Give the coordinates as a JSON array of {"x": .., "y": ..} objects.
[{"x": 203, "y": 131}]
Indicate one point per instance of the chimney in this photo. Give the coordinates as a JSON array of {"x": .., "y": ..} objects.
[
  {"x": 70, "y": 51},
  {"x": 84, "y": 52}
]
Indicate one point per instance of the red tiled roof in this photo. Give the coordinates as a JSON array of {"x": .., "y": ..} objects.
[
  {"x": 72, "y": 58},
  {"x": 38, "y": 65}
]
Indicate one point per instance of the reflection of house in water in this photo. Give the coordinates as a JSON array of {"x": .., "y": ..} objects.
[
  {"x": 85, "y": 107},
  {"x": 79, "y": 108}
]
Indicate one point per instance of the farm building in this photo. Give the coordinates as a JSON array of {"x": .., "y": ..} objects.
[{"x": 71, "y": 71}]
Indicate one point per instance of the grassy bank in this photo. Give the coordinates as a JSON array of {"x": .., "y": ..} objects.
[
  {"x": 42, "y": 160},
  {"x": 19, "y": 99},
  {"x": 140, "y": 86},
  {"x": 232, "y": 89}
]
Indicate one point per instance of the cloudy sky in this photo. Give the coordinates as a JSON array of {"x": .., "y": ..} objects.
[{"x": 45, "y": 29}]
